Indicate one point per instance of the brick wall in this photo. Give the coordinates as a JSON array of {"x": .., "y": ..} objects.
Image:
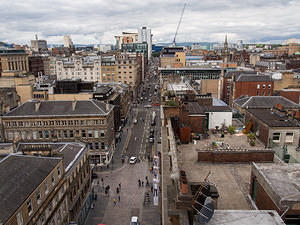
[
  {"x": 250, "y": 89},
  {"x": 291, "y": 95},
  {"x": 234, "y": 156},
  {"x": 197, "y": 123}
]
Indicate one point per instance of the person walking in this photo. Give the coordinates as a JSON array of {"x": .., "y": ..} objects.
[
  {"x": 119, "y": 198},
  {"x": 139, "y": 181},
  {"x": 115, "y": 202},
  {"x": 120, "y": 186},
  {"x": 142, "y": 183},
  {"x": 117, "y": 190}
]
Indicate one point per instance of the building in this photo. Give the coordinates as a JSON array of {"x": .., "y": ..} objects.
[
  {"x": 144, "y": 35},
  {"x": 108, "y": 69},
  {"x": 285, "y": 80},
  {"x": 13, "y": 62},
  {"x": 126, "y": 38},
  {"x": 172, "y": 57},
  {"x": 291, "y": 94},
  {"x": 68, "y": 43},
  {"x": 263, "y": 102},
  {"x": 77, "y": 174},
  {"x": 275, "y": 186},
  {"x": 84, "y": 68},
  {"x": 9, "y": 99},
  {"x": 35, "y": 193},
  {"x": 38, "y": 45},
  {"x": 274, "y": 129},
  {"x": 252, "y": 85},
  {"x": 89, "y": 121},
  {"x": 36, "y": 65}
]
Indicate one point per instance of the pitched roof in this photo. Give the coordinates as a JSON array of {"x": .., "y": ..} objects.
[
  {"x": 253, "y": 78},
  {"x": 20, "y": 175},
  {"x": 273, "y": 119},
  {"x": 237, "y": 73},
  {"x": 195, "y": 108},
  {"x": 60, "y": 108},
  {"x": 265, "y": 102}
]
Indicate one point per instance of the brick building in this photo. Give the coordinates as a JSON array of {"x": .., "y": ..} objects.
[
  {"x": 275, "y": 186},
  {"x": 291, "y": 94},
  {"x": 36, "y": 65}
]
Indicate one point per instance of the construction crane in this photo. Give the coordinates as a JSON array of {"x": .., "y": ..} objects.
[{"x": 174, "y": 41}]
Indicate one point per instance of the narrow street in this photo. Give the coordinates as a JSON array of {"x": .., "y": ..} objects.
[{"x": 135, "y": 200}]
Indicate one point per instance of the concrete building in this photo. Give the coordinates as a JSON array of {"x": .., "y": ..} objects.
[
  {"x": 13, "y": 62},
  {"x": 38, "y": 45},
  {"x": 9, "y": 99},
  {"x": 68, "y": 43},
  {"x": 35, "y": 193},
  {"x": 84, "y": 68},
  {"x": 285, "y": 80},
  {"x": 108, "y": 69},
  {"x": 275, "y": 186},
  {"x": 144, "y": 35},
  {"x": 126, "y": 38},
  {"x": 89, "y": 121}
]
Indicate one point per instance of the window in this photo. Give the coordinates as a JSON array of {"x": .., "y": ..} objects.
[
  {"x": 20, "y": 218},
  {"x": 96, "y": 134},
  {"x": 52, "y": 133},
  {"x": 46, "y": 134},
  {"x": 41, "y": 134},
  {"x": 29, "y": 206},
  {"x": 58, "y": 172},
  {"x": 65, "y": 134},
  {"x": 83, "y": 133},
  {"x": 264, "y": 86},
  {"x": 58, "y": 134},
  {"x": 38, "y": 197},
  {"x": 90, "y": 133},
  {"x": 20, "y": 124},
  {"x": 102, "y": 145},
  {"x": 96, "y": 145},
  {"x": 276, "y": 137},
  {"x": 71, "y": 134},
  {"x": 102, "y": 133},
  {"x": 53, "y": 179},
  {"x": 289, "y": 137},
  {"x": 90, "y": 145},
  {"x": 269, "y": 86},
  {"x": 258, "y": 86}
]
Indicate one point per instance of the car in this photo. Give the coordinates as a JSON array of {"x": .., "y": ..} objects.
[
  {"x": 151, "y": 131},
  {"x": 147, "y": 106},
  {"x": 151, "y": 135},
  {"x": 132, "y": 160},
  {"x": 159, "y": 140},
  {"x": 149, "y": 100},
  {"x": 135, "y": 121},
  {"x": 145, "y": 98},
  {"x": 142, "y": 98},
  {"x": 150, "y": 95},
  {"x": 151, "y": 140},
  {"x": 134, "y": 220}
]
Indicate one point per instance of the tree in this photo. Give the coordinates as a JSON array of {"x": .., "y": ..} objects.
[{"x": 231, "y": 129}]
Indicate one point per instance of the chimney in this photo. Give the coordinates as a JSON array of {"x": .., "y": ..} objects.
[
  {"x": 107, "y": 107},
  {"x": 37, "y": 106},
  {"x": 74, "y": 105}
]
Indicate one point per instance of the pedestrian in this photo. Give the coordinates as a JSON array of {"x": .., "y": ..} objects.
[
  {"x": 117, "y": 190},
  {"x": 147, "y": 183},
  {"x": 146, "y": 178},
  {"x": 119, "y": 198},
  {"x": 115, "y": 202},
  {"x": 152, "y": 189},
  {"x": 120, "y": 186},
  {"x": 139, "y": 182},
  {"x": 142, "y": 183}
]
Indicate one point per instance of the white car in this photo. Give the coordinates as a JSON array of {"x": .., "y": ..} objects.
[
  {"x": 132, "y": 160},
  {"x": 134, "y": 220},
  {"x": 147, "y": 106},
  {"x": 135, "y": 121}
]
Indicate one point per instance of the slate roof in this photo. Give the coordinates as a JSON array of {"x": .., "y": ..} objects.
[
  {"x": 265, "y": 102},
  {"x": 237, "y": 73},
  {"x": 60, "y": 108},
  {"x": 20, "y": 175},
  {"x": 195, "y": 108},
  {"x": 272, "y": 119},
  {"x": 253, "y": 78}
]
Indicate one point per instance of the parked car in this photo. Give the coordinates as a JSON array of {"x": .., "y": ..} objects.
[
  {"x": 151, "y": 135},
  {"x": 151, "y": 140},
  {"x": 147, "y": 106},
  {"x": 151, "y": 131},
  {"x": 135, "y": 121},
  {"x": 132, "y": 160}
]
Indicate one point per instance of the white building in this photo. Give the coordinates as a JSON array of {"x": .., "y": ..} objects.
[
  {"x": 144, "y": 35},
  {"x": 68, "y": 43},
  {"x": 84, "y": 68}
]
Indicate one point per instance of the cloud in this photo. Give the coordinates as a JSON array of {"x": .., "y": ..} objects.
[{"x": 95, "y": 21}]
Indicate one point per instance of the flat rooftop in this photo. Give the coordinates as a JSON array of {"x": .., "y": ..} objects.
[
  {"x": 232, "y": 180},
  {"x": 246, "y": 217},
  {"x": 282, "y": 178}
]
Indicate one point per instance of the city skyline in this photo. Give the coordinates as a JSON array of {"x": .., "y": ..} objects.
[{"x": 94, "y": 22}]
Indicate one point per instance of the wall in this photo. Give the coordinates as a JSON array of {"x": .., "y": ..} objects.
[
  {"x": 286, "y": 81},
  {"x": 218, "y": 118},
  {"x": 291, "y": 95},
  {"x": 70, "y": 97},
  {"x": 167, "y": 61},
  {"x": 197, "y": 123},
  {"x": 210, "y": 86},
  {"x": 250, "y": 89},
  {"x": 25, "y": 92},
  {"x": 235, "y": 156}
]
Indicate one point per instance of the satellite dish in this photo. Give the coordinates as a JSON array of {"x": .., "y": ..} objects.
[{"x": 206, "y": 212}]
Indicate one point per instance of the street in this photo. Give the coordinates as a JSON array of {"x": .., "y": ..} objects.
[{"x": 132, "y": 199}]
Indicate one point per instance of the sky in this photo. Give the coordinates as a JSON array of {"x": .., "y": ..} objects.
[{"x": 98, "y": 21}]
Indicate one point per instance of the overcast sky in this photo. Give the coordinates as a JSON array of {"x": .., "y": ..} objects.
[{"x": 97, "y": 21}]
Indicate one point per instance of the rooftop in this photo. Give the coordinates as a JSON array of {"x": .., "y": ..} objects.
[
  {"x": 264, "y": 102},
  {"x": 253, "y": 78},
  {"x": 25, "y": 174},
  {"x": 195, "y": 108},
  {"x": 60, "y": 108},
  {"x": 273, "y": 119},
  {"x": 283, "y": 179},
  {"x": 246, "y": 217}
]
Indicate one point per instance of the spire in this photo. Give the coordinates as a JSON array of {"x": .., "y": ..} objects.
[{"x": 226, "y": 39}]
